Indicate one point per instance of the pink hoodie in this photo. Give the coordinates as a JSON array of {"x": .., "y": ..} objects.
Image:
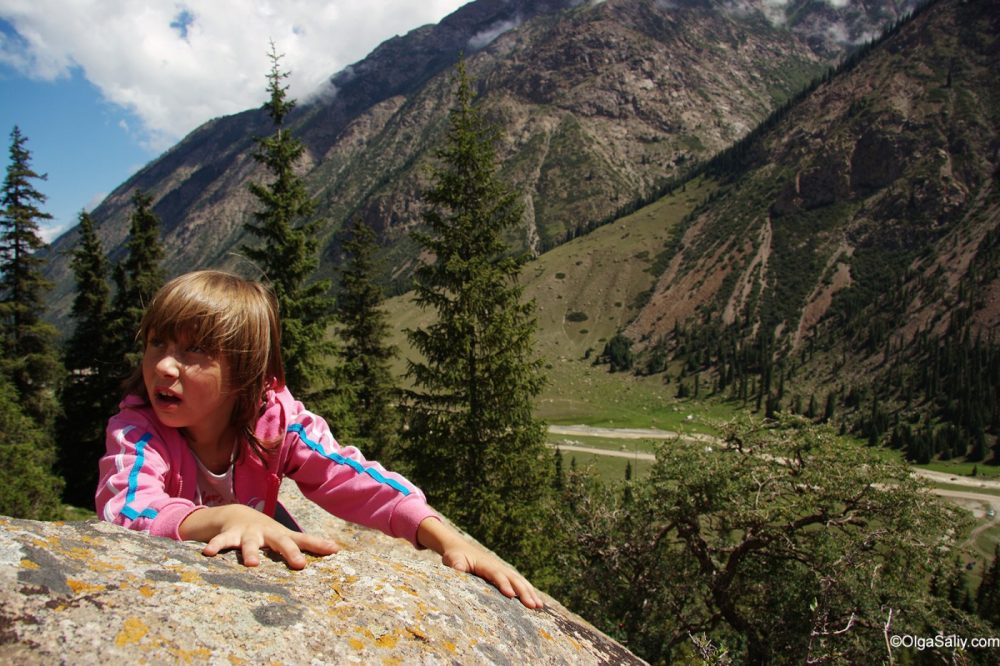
[{"x": 149, "y": 475}]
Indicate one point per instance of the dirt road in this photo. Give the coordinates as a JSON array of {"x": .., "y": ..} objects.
[{"x": 978, "y": 503}]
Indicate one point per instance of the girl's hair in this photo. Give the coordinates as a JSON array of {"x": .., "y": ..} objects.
[{"x": 228, "y": 315}]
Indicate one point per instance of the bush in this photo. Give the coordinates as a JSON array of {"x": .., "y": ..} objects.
[{"x": 28, "y": 488}]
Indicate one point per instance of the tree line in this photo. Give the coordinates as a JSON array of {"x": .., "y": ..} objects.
[{"x": 718, "y": 556}]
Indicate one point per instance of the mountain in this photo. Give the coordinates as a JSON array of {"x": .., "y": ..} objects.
[
  {"x": 599, "y": 103},
  {"x": 843, "y": 256},
  {"x": 853, "y": 244}
]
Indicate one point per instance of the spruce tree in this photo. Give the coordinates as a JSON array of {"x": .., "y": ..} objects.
[
  {"x": 30, "y": 357},
  {"x": 137, "y": 278},
  {"x": 288, "y": 254},
  {"x": 476, "y": 448},
  {"x": 365, "y": 354},
  {"x": 90, "y": 392}
]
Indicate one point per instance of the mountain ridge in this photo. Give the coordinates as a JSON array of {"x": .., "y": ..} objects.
[{"x": 576, "y": 164}]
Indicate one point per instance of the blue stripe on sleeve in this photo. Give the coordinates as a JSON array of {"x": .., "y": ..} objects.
[
  {"x": 133, "y": 482},
  {"x": 299, "y": 430}
]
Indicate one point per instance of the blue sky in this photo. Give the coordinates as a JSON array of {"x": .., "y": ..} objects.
[
  {"x": 75, "y": 137},
  {"x": 102, "y": 87}
]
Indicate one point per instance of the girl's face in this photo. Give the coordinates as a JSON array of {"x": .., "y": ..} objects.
[{"x": 188, "y": 387}]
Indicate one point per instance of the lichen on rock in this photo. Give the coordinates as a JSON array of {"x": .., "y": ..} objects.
[{"x": 91, "y": 593}]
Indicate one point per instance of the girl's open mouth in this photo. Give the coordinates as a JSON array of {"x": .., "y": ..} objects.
[{"x": 167, "y": 398}]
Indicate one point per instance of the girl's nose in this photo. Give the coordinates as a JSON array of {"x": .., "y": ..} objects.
[{"x": 168, "y": 365}]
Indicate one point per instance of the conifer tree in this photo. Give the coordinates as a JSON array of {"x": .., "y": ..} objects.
[
  {"x": 137, "y": 278},
  {"x": 476, "y": 448},
  {"x": 288, "y": 252},
  {"x": 365, "y": 353},
  {"x": 29, "y": 352},
  {"x": 90, "y": 392}
]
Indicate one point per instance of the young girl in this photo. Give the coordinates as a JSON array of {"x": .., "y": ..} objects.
[{"x": 207, "y": 430}]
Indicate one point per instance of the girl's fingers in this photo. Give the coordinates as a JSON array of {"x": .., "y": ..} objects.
[
  {"x": 526, "y": 593},
  {"x": 314, "y": 544},
  {"x": 251, "y": 552},
  {"x": 219, "y": 543},
  {"x": 289, "y": 552}
]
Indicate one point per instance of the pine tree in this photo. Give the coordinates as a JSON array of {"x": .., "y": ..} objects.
[
  {"x": 288, "y": 253},
  {"x": 29, "y": 354},
  {"x": 137, "y": 278},
  {"x": 365, "y": 354},
  {"x": 476, "y": 448},
  {"x": 90, "y": 392}
]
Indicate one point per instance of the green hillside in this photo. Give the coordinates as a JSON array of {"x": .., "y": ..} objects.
[{"x": 586, "y": 291}]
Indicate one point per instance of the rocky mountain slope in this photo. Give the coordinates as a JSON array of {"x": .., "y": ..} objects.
[
  {"x": 599, "y": 103},
  {"x": 858, "y": 228}
]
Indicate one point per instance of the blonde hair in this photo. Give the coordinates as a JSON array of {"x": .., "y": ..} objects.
[{"x": 228, "y": 315}]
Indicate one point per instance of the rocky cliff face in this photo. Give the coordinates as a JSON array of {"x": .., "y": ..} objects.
[
  {"x": 599, "y": 102},
  {"x": 867, "y": 215},
  {"x": 93, "y": 593}
]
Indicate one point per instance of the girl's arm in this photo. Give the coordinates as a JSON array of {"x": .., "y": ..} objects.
[
  {"x": 461, "y": 554},
  {"x": 239, "y": 526}
]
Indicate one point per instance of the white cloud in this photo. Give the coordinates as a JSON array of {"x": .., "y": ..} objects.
[
  {"x": 486, "y": 37},
  {"x": 178, "y": 64}
]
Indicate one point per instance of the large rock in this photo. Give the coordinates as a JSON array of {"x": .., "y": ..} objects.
[{"x": 91, "y": 592}]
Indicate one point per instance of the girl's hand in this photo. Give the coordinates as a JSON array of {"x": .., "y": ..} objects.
[
  {"x": 239, "y": 526},
  {"x": 463, "y": 555}
]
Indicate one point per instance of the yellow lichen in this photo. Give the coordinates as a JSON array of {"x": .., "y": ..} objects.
[
  {"x": 544, "y": 634},
  {"x": 198, "y": 655},
  {"x": 387, "y": 642},
  {"x": 83, "y": 587},
  {"x": 133, "y": 630},
  {"x": 147, "y": 591},
  {"x": 188, "y": 576},
  {"x": 355, "y": 643},
  {"x": 417, "y": 633},
  {"x": 237, "y": 661},
  {"x": 28, "y": 564},
  {"x": 450, "y": 647}
]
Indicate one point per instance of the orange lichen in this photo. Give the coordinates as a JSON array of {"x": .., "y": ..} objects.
[
  {"x": 544, "y": 634},
  {"x": 388, "y": 641},
  {"x": 147, "y": 591},
  {"x": 82, "y": 587},
  {"x": 355, "y": 643}
]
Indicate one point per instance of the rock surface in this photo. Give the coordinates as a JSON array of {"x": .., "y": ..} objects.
[{"x": 91, "y": 592}]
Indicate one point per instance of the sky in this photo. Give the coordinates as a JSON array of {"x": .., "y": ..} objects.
[{"x": 102, "y": 87}]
